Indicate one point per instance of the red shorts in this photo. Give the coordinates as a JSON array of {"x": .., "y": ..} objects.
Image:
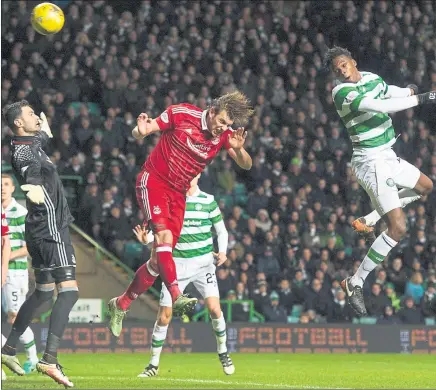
[{"x": 163, "y": 207}]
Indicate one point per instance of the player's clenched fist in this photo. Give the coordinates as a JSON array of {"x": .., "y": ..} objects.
[
  {"x": 144, "y": 124},
  {"x": 237, "y": 139}
]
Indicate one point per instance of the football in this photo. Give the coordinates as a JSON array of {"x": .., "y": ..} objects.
[{"x": 47, "y": 18}]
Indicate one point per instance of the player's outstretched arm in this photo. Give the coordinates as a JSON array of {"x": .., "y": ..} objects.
[
  {"x": 395, "y": 104},
  {"x": 145, "y": 126},
  {"x": 237, "y": 151},
  {"x": 397, "y": 92}
]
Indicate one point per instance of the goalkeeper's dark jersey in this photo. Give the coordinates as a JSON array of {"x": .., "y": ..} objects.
[{"x": 32, "y": 166}]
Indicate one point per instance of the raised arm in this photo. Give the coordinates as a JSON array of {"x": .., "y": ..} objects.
[
  {"x": 396, "y": 104},
  {"x": 398, "y": 92},
  {"x": 145, "y": 126},
  {"x": 236, "y": 149}
]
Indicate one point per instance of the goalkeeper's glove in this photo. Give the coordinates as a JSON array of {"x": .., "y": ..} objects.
[
  {"x": 428, "y": 97},
  {"x": 34, "y": 193},
  {"x": 44, "y": 125}
]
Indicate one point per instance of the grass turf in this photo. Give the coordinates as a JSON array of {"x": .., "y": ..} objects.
[{"x": 278, "y": 371}]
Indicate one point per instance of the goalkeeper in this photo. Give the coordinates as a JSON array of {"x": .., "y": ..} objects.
[
  {"x": 47, "y": 238},
  {"x": 194, "y": 260}
]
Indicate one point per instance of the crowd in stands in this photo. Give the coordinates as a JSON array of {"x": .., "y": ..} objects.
[{"x": 290, "y": 239}]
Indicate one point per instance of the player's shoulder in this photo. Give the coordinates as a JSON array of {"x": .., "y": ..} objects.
[
  {"x": 343, "y": 88},
  {"x": 186, "y": 109},
  {"x": 207, "y": 197}
]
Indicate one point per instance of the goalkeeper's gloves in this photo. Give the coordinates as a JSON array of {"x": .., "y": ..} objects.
[
  {"x": 34, "y": 193},
  {"x": 44, "y": 125},
  {"x": 428, "y": 97},
  {"x": 414, "y": 88}
]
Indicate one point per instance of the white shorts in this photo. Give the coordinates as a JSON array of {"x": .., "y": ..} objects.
[
  {"x": 380, "y": 176},
  {"x": 202, "y": 276},
  {"x": 16, "y": 289}
]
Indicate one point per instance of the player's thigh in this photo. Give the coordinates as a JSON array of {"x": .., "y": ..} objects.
[
  {"x": 376, "y": 178},
  {"x": 205, "y": 282},
  {"x": 177, "y": 213},
  {"x": 15, "y": 290},
  {"x": 405, "y": 175},
  {"x": 152, "y": 197},
  {"x": 165, "y": 296}
]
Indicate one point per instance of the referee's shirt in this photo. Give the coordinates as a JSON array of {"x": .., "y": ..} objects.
[{"x": 32, "y": 166}]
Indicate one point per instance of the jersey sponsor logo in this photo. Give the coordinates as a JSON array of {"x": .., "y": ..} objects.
[
  {"x": 198, "y": 207},
  {"x": 200, "y": 149},
  {"x": 190, "y": 222},
  {"x": 156, "y": 210},
  {"x": 164, "y": 117}
]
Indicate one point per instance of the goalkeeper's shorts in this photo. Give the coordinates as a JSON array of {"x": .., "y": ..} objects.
[{"x": 51, "y": 253}]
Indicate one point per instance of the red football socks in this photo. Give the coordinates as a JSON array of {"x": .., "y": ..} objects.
[
  {"x": 167, "y": 269},
  {"x": 142, "y": 281}
]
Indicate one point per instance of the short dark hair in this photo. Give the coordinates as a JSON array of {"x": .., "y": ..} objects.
[
  {"x": 13, "y": 111},
  {"x": 334, "y": 52}
]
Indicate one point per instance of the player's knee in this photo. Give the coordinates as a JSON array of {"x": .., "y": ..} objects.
[
  {"x": 428, "y": 186},
  {"x": 68, "y": 294},
  {"x": 165, "y": 315},
  {"x": 424, "y": 185},
  {"x": 44, "y": 292},
  {"x": 12, "y": 316},
  {"x": 397, "y": 229}
]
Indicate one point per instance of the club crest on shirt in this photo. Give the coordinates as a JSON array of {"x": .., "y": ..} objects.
[
  {"x": 198, "y": 207},
  {"x": 215, "y": 141},
  {"x": 156, "y": 210}
]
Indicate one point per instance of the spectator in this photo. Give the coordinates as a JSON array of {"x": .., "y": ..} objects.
[
  {"x": 414, "y": 288},
  {"x": 389, "y": 318},
  {"x": 409, "y": 314},
  {"x": 340, "y": 311},
  {"x": 428, "y": 303},
  {"x": 285, "y": 296},
  {"x": 273, "y": 311},
  {"x": 377, "y": 301},
  {"x": 392, "y": 296}
]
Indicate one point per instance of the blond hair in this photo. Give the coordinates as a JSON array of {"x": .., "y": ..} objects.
[{"x": 236, "y": 105}]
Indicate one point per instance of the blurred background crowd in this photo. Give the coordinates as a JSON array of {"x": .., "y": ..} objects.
[{"x": 290, "y": 239}]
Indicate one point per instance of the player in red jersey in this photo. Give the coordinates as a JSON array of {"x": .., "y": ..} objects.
[
  {"x": 6, "y": 248},
  {"x": 190, "y": 139}
]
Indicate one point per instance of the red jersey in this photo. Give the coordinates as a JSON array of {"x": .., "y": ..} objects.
[
  {"x": 5, "y": 228},
  {"x": 186, "y": 146}
]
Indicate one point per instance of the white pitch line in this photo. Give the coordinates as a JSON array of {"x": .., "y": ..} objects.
[{"x": 217, "y": 381}]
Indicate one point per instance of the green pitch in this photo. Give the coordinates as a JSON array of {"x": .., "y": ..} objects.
[{"x": 254, "y": 371}]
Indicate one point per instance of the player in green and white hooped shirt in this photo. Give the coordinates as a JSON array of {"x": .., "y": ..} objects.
[
  {"x": 17, "y": 283},
  {"x": 195, "y": 262},
  {"x": 362, "y": 100}
]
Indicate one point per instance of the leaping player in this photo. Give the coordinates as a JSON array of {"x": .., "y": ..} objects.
[
  {"x": 190, "y": 139},
  {"x": 363, "y": 101}
]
